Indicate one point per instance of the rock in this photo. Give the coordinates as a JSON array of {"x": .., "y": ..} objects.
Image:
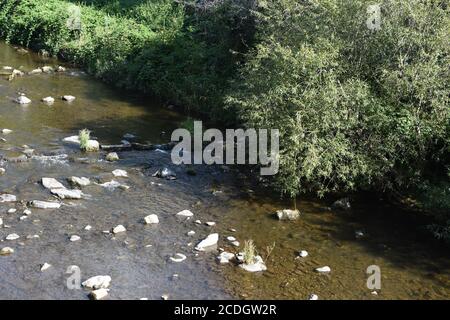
[
  {"x": 12, "y": 236},
  {"x": 45, "y": 266},
  {"x": 99, "y": 294},
  {"x": 79, "y": 182},
  {"x": 165, "y": 173},
  {"x": 7, "y": 68},
  {"x": 374, "y": 293},
  {"x": 359, "y": 234},
  {"x": 303, "y": 254},
  {"x": 6, "y": 131},
  {"x": 129, "y": 136},
  {"x": 288, "y": 214},
  {"x": 34, "y": 236},
  {"x": 179, "y": 257},
  {"x": 197, "y": 222},
  {"x": 185, "y": 213},
  {"x": 23, "y": 100},
  {"x": 324, "y": 269},
  {"x": 45, "y": 204},
  {"x": 48, "y": 100},
  {"x": 35, "y": 71},
  {"x": 92, "y": 146},
  {"x": 7, "y": 198},
  {"x": 2, "y": 171},
  {"x": 97, "y": 282},
  {"x": 210, "y": 223},
  {"x": 21, "y": 218},
  {"x": 151, "y": 219},
  {"x": 165, "y": 297},
  {"x": 1, "y": 222},
  {"x": 52, "y": 183},
  {"x": 88, "y": 227},
  {"x": 17, "y": 73},
  {"x": 27, "y": 212},
  {"x": 6, "y": 251},
  {"x": 74, "y": 238},
  {"x": 225, "y": 257},
  {"x": 231, "y": 239},
  {"x": 120, "y": 173},
  {"x": 47, "y": 69},
  {"x": 68, "y": 98},
  {"x": 74, "y": 140},
  {"x": 256, "y": 266},
  {"x": 28, "y": 152},
  {"x": 113, "y": 185},
  {"x": 209, "y": 241},
  {"x": 12, "y": 210},
  {"x": 342, "y": 204},
  {"x": 235, "y": 243},
  {"x": 67, "y": 194},
  {"x": 60, "y": 69},
  {"x": 118, "y": 229},
  {"x": 112, "y": 156},
  {"x": 191, "y": 233},
  {"x": 313, "y": 297}
]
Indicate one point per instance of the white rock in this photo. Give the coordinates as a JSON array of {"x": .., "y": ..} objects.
[
  {"x": 113, "y": 185},
  {"x": 23, "y": 100},
  {"x": 35, "y": 71},
  {"x": 191, "y": 233},
  {"x": 151, "y": 219},
  {"x": 231, "y": 239},
  {"x": 6, "y": 131},
  {"x": 257, "y": 266},
  {"x": 88, "y": 227},
  {"x": 120, "y": 173},
  {"x": 375, "y": 293},
  {"x": 99, "y": 294},
  {"x": 80, "y": 182},
  {"x": 27, "y": 212},
  {"x": 209, "y": 241},
  {"x": 235, "y": 243},
  {"x": 197, "y": 222},
  {"x": 165, "y": 297},
  {"x": 112, "y": 156},
  {"x": 74, "y": 238},
  {"x": 6, "y": 250},
  {"x": 303, "y": 254},
  {"x": 17, "y": 73},
  {"x": 118, "y": 229},
  {"x": 359, "y": 234},
  {"x": 48, "y": 100},
  {"x": 92, "y": 145},
  {"x": 34, "y": 236},
  {"x": 7, "y": 198},
  {"x": 12, "y": 236},
  {"x": 97, "y": 282},
  {"x": 185, "y": 213},
  {"x": 1, "y": 222},
  {"x": 21, "y": 218},
  {"x": 210, "y": 223},
  {"x": 47, "y": 69},
  {"x": 2, "y": 171},
  {"x": 225, "y": 257},
  {"x": 60, "y": 69},
  {"x": 288, "y": 214},
  {"x": 45, "y": 204},
  {"x": 45, "y": 266},
  {"x": 12, "y": 210},
  {"x": 7, "y": 68},
  {"x": 74, "y": 140},
  {"x": 52, "y": 183},
  {"x": 313, "y": 297},
  {"x": 67, "y": 194},
  {"x": 324, "y": 269},
  {"x": 178, "y": 257},
  {"x": 68, "y": 98}
]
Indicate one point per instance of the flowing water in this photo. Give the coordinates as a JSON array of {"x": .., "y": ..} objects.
[{"x": 412, "y": 266}]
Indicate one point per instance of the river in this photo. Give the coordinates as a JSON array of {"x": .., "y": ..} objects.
[{"x": 412, "y": 265}]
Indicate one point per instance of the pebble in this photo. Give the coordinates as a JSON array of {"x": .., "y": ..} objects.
[
  {"x": 6, "y": 250},
  {"x": 88, "y": 227},
  {"x": 34, "y": 236},
  {"x": 97, "y": 282},
  {"x": 151, "y": 219},
  {"x": 313, "y": 297},
  {"x": 185, "y": 213},
  {"x": 60, "y": 69},
  {"x": 45, "y": 266},
  {"x": 6, "y": 131},
  {"x": 99, "y": 294},
  {"x": 12, "y": 210},
  {"x": 2, "y": 171},
  {"x": 235, "y": 243},
  {"x": 178, "y": 257},
  {"x": 45, "y": 204},
  {"x": 197, "y": 222},
  {"x": 21, "y": 218},
  {"x": 120, "y": 173},
  {"x": 210, "y": 223},
  {"x": 303, "y": 254},
  {"x": 1, "y": 222},
  {"x": 68, "y": 98},
  {"x": 27, "y": 212},
  {"x": 231, "y": 238},
  {"x": 48, "y": 100},
  {"x": 225, "y": 257},
  {"x": 165, "y": 297},
  {"x": 191, "y": 233},
  {"x": 324, "y": 269},
  {"x": 23, "y": 100},
  {"x": 74, "y": 238},
  {"x": 209, "y": 241},
  {"x": 12, "y": 236},
  {"x": 118, "y": 229}
]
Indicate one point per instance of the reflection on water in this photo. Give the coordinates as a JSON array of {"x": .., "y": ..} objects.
[{"x": 411, "y": 266}]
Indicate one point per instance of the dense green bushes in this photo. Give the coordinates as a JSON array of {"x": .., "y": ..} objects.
[{"x": 357, "y": 108}]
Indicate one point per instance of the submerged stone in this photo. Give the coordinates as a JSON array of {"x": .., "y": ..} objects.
[
  {"x": 288, "y": 214},
  {"x": 209, "y": 241}
]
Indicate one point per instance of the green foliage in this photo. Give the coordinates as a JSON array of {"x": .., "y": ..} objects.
[
  {"x": 84, "y": 136},
  {"x": 356, "y": 108}
]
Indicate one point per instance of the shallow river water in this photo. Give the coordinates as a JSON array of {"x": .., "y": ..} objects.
[{"x": 412, "y": 265}]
